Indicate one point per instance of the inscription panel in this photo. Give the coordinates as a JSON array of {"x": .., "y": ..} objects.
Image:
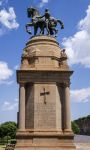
[
  {"x": 46, "y": 116},
  {"x": 45, "y": 113}
]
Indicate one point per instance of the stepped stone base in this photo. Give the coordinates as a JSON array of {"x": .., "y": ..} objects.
[
  {"x": 43, "y": 141},
  {"x": 46, "y": 148}
]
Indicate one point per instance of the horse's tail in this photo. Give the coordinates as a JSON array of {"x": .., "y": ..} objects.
[{"x": 61, "y": 23}]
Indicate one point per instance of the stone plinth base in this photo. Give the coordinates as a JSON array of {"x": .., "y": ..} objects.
[
  {"x": 52, "y": 141},
  {"x": 47, "y": 148}
]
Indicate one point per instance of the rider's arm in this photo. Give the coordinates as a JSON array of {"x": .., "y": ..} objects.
[{"x": 40, "y": 16}]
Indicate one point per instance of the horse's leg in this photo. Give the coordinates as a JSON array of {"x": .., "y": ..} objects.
[
  {"x": 35, "y": 30},
  {"x": 55, "y": 31},
  {"x": 42, "y": 30},
  {"x": 43, "y": 27},
  {"x": 28, "y": 30},
  {"x": 51, "y": 31},
  {"x": 28, "y": 25},
  {"x": 47, "y": 28}
]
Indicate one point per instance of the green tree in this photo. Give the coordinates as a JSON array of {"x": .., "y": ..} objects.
[
  {"x": 8, "y": 129},
  {"x": 75, "y": 128}
]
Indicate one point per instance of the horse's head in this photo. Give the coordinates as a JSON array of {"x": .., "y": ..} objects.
[{"x": 32, "y": 12}]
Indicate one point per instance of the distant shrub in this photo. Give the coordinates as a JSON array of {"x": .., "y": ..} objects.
[
  {"x": 88, "y": 117},
  {"x": 75, "y": 128},
  {"x": 6, "y": 139},
  {"x": 13, "y": 141}
]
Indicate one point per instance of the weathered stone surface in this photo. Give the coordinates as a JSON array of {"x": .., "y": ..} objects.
[
  {"x": 43, "y": 52},
  {"x": 45, "y": 76}
]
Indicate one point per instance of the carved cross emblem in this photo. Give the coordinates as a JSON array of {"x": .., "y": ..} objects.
[{"x": 44, "y": 93}]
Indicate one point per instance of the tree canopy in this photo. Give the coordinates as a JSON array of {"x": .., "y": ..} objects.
[{"x": 8, "y": 129}]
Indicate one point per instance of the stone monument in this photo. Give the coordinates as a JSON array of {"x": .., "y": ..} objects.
[{"x": 44, "y": 94}]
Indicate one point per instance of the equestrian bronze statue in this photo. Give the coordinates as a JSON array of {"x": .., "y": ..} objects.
[{"x": 42, "y": 22}]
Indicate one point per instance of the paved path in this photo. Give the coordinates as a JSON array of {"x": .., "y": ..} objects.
[
  {"x": 82, "y": 142},
  {"x": 82, "y": 139}
]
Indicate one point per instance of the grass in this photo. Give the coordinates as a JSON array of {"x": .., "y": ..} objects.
[{"x": 2, "y": 147}]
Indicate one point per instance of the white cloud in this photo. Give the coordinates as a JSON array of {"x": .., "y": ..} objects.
[
  {"x": 80, "y": 95},
  {"x": 42, "y": 3},
  {"x": 8, "y": 18},
  {"x": 5, "y": 72},
  {"x": 9, "y": 106},
  {"x": 78, "y": 45}
]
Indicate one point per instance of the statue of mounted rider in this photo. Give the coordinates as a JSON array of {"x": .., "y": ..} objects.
[{"x": 42, "y": 22}]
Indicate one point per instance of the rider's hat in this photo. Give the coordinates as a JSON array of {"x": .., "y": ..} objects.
[{"x": 46, "y": 10}]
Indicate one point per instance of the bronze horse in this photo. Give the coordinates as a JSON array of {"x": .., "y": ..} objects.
[{"x": 37, "y": 22}]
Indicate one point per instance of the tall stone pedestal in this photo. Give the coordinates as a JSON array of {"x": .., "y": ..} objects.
[{"x": 44, "y": 97}]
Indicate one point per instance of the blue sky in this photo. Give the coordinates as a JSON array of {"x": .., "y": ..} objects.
[{"x": 75, "y": 38}]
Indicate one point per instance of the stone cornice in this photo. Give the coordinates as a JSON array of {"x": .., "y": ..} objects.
[{"x": 43, "y": 76}]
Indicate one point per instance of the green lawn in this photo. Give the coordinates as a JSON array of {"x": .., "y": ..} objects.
[{"x": 2, "y": 147}]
